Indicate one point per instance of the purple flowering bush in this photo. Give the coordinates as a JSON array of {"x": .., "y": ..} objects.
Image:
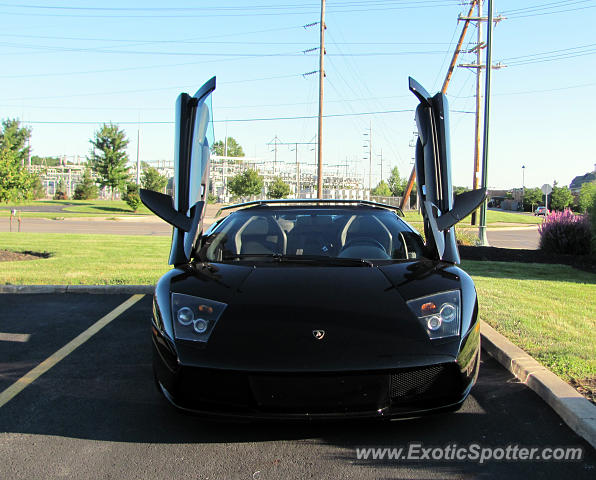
[{"x": 564, "y": 232}]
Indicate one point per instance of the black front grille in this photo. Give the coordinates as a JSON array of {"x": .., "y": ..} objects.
[
  {"x": 410, "y": 388},
  {"x": 414, "y": 382},
  {"x": 425, "y": 383}
]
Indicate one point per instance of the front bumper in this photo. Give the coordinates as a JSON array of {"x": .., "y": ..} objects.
[{"x": 388, "y": 393}]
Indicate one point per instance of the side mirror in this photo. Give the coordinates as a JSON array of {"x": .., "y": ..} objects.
[
  {"x": 464, "y": 204},
  {"x": 163, "y": 206}
]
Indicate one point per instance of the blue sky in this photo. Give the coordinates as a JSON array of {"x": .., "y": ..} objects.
[{"x": 126, "y": 61}]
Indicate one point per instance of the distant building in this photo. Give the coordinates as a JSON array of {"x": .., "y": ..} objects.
[{"x": 576, "y": 184}]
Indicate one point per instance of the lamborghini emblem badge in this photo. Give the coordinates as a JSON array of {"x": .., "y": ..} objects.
[{"x": 318, "y": 334}]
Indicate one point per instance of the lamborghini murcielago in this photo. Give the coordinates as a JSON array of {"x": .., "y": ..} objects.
[{"x": 318, "y": 308}]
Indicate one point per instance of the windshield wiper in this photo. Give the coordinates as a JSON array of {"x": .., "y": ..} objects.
[{"x": 317, "y": 259}]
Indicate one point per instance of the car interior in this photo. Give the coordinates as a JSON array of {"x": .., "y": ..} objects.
[{"x": 365, "y": 234}]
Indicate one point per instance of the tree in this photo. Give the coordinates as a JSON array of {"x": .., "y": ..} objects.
[
  {"x": 278, "y": 188},
  {"x": 151, "y": 179},
  {"x": 460, "y": 190},
  {"x": 560, "y": 198},
  {"x": 396, "y": 184},
  {"x": 234, "y": 149},
  {"x": 246, "y": 183},
  {"x": 532, "y": 198},
  {"x": 108, "y": 157},
  {"x": 86, "y": 190},
  {"x": 15, "y": 182},
  {"x": 14, "y": 138},
  {"x": 131, "y": 196},
  {"x": 381, "y": 190},
  {"x": 587, "y": 196}
]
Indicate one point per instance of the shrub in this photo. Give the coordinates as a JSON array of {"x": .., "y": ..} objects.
[
  {"x": 467, "y": 237},
  {"x": 86, "y": 190},
  {"x": 246, "y": 184},
  {"x": 59, "y": 195},
  {"x": 131, "y": 197},
  {"x": 564, "y": 232},
  {"x": 278, "y": 188},
  {"x": 592, "y": 216},
  {"x": 60, "y": 192}
]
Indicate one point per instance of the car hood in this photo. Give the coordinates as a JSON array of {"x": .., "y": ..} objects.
[{"x": 274, "y": 310}]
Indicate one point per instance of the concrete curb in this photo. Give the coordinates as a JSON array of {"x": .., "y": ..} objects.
[
  {"x": 575, "y": 410},
  {"x": 94, "y": 289}
]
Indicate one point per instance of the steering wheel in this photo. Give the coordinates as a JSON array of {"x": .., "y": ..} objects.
[{"x": 364, "y": 241}]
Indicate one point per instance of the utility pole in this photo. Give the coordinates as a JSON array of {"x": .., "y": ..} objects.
[
  {"x": 456, "y": 53},
  {"x": 479, "y": 46},
  {"x": 297, "y": 172},
  {"x": 275, "y": 142},
  {"x": 489, "y": 49},
  {"x": 321, "y": 82},
  {"x": 479, "y": 66},
  {"x": 381, "y": 158},
  {"x": 138, "y": 161},
  {"x": 369, "y": 135},
  {"x": 226, "y": 142}
]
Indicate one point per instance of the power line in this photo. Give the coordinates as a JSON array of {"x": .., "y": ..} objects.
[
  {"x": 237, "y": 11},
  {"x": 206, "y": 42},
  {"x": 263, "y": 119},
  {"x": 543, "y": 6},
  {"x": 144, "y": 90},
  {"x": 301, "y": 53},
  {"x": 508, "y": 59},
  {"x": 514, "y": 17}
]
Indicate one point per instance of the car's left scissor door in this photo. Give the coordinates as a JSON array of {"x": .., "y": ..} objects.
[{"x": 194, "y": 139}]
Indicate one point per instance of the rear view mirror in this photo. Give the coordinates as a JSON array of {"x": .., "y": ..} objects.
[{"x": 163, "y": 206}]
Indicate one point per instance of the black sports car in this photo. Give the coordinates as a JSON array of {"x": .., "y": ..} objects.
[{"x": 314, "y": 308}]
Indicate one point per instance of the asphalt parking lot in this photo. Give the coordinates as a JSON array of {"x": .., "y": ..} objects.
[{"x": 96, "y": 414}]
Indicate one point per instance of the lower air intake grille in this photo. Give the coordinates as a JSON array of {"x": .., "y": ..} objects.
[{"x": 414, "y": 382}]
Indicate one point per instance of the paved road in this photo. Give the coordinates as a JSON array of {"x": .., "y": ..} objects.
[
  {"x": 526, "y": 237},
  {"x": 96, "y": 414},
  {"x": 149, "y": 226}
]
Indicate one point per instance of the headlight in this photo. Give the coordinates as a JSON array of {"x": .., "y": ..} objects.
[
  {"x": 438, "y": 313},
  {"x": 195, "y": 317}
]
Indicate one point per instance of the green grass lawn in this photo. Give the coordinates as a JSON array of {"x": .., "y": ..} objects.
[
  {"x": 76, "y": 208},
  {"x": 115, "y": 207},
  {"x": 548, "y": 310},
  {"x": 85, "y": 259},
  {"x": 493, "y": 218}
]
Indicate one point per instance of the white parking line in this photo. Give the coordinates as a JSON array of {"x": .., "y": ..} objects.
[
  {"x": 33, "y": 374},
  {"x": 14, "y": 337}
]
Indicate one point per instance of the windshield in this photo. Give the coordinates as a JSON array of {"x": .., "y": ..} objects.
[{"x": 332, "y": 233}]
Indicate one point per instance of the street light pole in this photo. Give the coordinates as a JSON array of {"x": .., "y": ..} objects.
[{"x": 523, "y": 185}]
